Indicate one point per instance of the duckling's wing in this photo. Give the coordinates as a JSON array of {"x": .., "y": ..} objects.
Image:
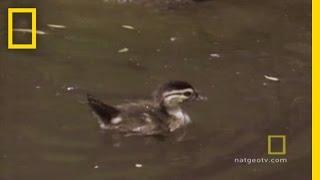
[{"x": 104, "y": 111}]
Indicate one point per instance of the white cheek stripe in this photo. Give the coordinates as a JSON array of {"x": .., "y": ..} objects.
[
  {"x": 172, "y": 97},
  {"x": 178, "y": 91}
]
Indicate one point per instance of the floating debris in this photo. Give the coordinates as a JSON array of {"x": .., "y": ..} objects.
[
  {"x": 38, "y": 87},
  {"x": 123, "y": 50},
  {"x": 70, "y": 88},
  {"x": 271, "y": 78},
  {"x": 172, "y": 39},
  {"x": 96, "y": 167},
  {"x": 56, "y": 26},
  {"x": 128, "y": 27},
  {"x": 29, "y": 31},
  {"x": 118, "y": 1},
  {"x": 215, "y": 55},
  {"x": 138, "y": 165}
]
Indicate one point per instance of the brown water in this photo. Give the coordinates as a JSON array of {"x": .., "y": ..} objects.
[{"x": 47, "y": 132}]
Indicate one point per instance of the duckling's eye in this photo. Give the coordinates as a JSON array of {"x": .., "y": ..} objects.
[{"x": 187, "y": 94}]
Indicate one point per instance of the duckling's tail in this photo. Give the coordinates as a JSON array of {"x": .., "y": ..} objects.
[{"x": 105, "y": 112}]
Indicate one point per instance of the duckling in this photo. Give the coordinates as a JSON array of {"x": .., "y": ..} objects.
[{"x": 161, "y": 115}]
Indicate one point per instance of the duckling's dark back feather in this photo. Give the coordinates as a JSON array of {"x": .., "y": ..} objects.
[{"x": 104, "y": 111}]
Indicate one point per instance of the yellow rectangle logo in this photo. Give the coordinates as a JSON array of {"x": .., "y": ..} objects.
[
  {"x": 284, "y": 148},
  {"x": 33, "y": 44}
]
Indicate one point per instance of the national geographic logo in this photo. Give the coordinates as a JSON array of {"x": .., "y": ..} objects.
[
  {"x": 277, "y": 145},
  {"x": 33, "y": 30}
]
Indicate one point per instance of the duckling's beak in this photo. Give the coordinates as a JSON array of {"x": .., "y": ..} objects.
[{"x": 199, "y": 97}]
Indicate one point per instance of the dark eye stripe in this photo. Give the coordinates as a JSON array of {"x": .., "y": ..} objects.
[{"x": 187, "y": 93}]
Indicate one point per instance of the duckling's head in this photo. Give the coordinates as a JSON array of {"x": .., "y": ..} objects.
[{"x": 174, "y": 93}]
